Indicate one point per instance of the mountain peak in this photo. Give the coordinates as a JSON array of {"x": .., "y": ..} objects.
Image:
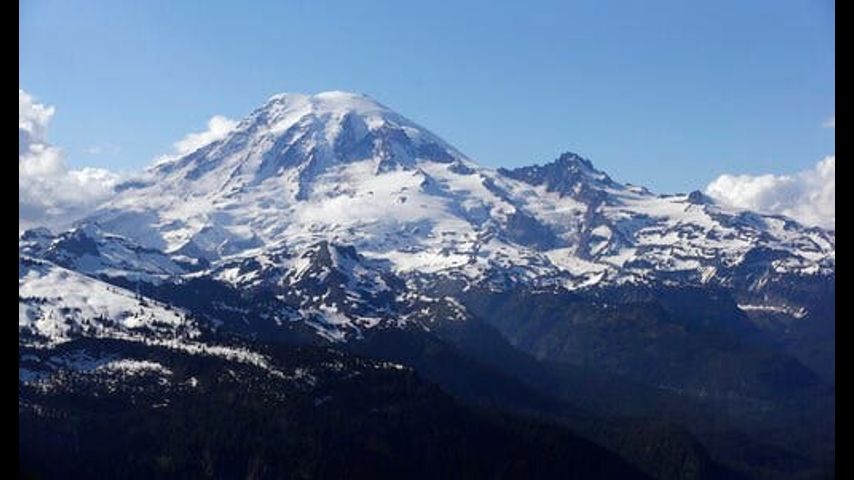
[
  {"x": 569, "y": 174},
  {"x": 335, "y": 102},
  {"x": 293, "y": 148},
  {"x": 340, "y": 95},
  {"x": 325, "y": 95},
  {"x": 573, "y": 160},
  {"x": 306, "y": 134}
]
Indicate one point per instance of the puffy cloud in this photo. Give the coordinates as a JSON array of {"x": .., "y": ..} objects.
[
  {"x": 32, "y": 117},
  {"x": 49, "y": 193},
  {"x": 830, "y": 122},
  {"x": 218, "y": 127},
  {"x": 808, "y": 196}
]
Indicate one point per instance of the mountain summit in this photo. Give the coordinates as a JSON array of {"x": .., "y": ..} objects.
[{"x": 306, "y": 135}]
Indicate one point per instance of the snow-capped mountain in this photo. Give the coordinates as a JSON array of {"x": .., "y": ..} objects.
[
  {"x": 343, "y": 168},
  {"x": 344, "y": 216}
]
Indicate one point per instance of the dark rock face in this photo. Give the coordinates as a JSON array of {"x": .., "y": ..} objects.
[
  {"x": 699, "y": 198},
  {"x": 524, "y": 229},
  {"x": 78, "y": 243},
  {"x": 569, "y": 175}
]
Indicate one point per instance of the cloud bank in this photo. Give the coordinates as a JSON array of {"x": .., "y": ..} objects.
[
  {"x": 49, "y": 193},
  {"x": 808, "y": 196}
]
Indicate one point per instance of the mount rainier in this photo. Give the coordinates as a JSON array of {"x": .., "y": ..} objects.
[
  {"x": 344, "y": 168},
  {"x": 330, "y": 220}
]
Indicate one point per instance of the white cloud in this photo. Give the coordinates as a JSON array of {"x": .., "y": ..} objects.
[
  {"x": 830, "y": 122},
  {"x": 807, "y": 196},
  {"x": 32, "y": 117},
  {"x": 50, "y": 194},
  {"x": 218, "y": 127}
]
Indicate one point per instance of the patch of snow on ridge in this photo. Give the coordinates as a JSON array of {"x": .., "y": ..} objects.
[
  {"x": 798, "y": 313},
  {"x": 135, "y": 367},
  {"x": 59, "y": 304}
]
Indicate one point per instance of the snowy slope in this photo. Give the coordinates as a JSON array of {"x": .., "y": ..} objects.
[{"x": 56, "y": 304}]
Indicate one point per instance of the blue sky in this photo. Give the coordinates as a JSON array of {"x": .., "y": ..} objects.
[{"x": 669, "y": 94}]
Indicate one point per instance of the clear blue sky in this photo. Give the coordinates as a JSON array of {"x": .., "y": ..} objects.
[{"x": 669, "y": 94}]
